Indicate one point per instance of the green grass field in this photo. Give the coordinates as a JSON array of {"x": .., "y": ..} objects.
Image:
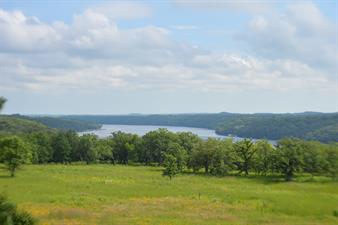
[{"x": 105, "y": 194}]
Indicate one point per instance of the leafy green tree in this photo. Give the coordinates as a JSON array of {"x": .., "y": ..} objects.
[
  {"x": 331, "y": 165},
  {"x": 314, "y": 157},
  {"x": 210, "y": 155},
  {"x": 74, "y": 141},
  {"x": 2, "y": 102},
  {"x": 179, "y": 153},
  {"x": 155, "y": 145},
  {"x": 263, "y": 158},
  {"x": 13, "y": 153},
  {"x": 289, "y": 157},
  {"x": 87, "y": 148},
  {"x": 188, "y": 140},
  {"x": 61, "y": 148},
  {"x": 170, "y": 166},
  {"x": 124, "y": 146},
  {"x": 42, "y": 146},
  {"x": 104, "y": 151},
  {"x": 9, "y": 214},
  {"x": 244, "y": 151}
]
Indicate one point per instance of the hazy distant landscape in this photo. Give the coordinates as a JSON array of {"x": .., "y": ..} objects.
[{"x": 171, "y": 112}]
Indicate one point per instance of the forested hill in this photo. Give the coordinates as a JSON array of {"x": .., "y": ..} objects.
[
  {"x": 66, "y": 124},
  {"x": 15, "y": 125},
  {"x": 26, "y": 124},
  {"x": 308, "y": 125}
]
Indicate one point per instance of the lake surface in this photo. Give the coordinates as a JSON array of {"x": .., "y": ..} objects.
[{"x": 107, "y": 129}]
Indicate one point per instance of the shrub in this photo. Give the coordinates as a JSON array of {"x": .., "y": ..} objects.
[{"x": 10, "y": 215}]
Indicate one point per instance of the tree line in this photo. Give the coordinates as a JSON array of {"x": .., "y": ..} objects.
[{"x": 176, "y": 152}]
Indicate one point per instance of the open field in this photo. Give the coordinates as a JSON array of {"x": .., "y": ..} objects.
[{"x": 105, "y": 194}]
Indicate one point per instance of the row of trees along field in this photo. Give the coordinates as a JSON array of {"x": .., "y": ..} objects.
[{"x": 176, "y": 152}]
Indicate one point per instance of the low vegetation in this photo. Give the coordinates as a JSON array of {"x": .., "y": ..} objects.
[
  {"x": 106, "y": 195},
  {"x": 10, "y": 215}
]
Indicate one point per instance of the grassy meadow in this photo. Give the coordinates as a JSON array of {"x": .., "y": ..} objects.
[{"x": 105, "y": 194}]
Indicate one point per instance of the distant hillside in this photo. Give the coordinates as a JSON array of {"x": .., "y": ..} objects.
[
  {"x": 65, "y": 124},
  {"x": 23, "y": 124},
  {"x": 10, "y": 125},
  {"x": 202, "y": 120},
  {"x": 312, "y": 126},
  {"x": 308, "y": 125}
]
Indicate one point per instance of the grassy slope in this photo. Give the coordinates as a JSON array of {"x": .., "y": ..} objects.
[{"x": 104, "y": 194}]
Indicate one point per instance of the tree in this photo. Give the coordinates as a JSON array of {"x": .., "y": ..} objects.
[
  {"x": 2, "y": 102},
  {"x": 104, "y": 151},
  {"x": 170, "y": 166},
  {"x": 13, "y": 153},
  {"x": 155, "y": 144},
  {"x": 289, "y": 157},
  {"x": 314, "y": 157},
  {"x": 124, "y": 146},
  {"x": 188, "y": 140},
  {"x": 61, "y": 148},
  {"x": 331, "y": 165},
  {"x": 42, "y": 146},
  {"x": 87, "y": 148},
  {"x": 244, "y": 151},
  {"x": 179, "y": 153},
  {"x": 9, "y": 214},
  {"x": 210, "y": 155},
  {"x": 263, "y": 158},
  {"x": 74, "y": 141}
]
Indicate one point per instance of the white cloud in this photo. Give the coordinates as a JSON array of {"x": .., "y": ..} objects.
[
  {"x": 302, "y": 33},
  {"x": 93, "y": 52}
]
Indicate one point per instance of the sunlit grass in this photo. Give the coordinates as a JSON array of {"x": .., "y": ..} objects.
[{"x": 105, "y": 194}]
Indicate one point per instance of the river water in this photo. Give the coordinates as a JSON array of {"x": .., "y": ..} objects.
[{"x": 107, "y": 129}]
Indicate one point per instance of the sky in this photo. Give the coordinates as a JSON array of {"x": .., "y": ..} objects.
[{"x": 174, "y": 56}]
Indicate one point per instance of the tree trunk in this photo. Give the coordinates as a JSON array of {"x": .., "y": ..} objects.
[
  {"x": 12, "y": 171},
  {"x": 206, "y": 167}
]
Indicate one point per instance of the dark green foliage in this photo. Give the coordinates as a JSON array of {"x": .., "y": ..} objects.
[
  {"x": 125, "y": 146},
  {"x": 170, "y": 166},
  {"x": 314, "y": 158},
  {"x": 244, "y": 151},
  {"x": 13, "y": 125},
  {"x": 180, "y": 154},
  {"x": 331, "y": 159},
  {"x": 61, "y": 148},
  {"x": 41, "y": 143},
  {"x": 13, "y": 153},
  {"x": 10, "y": 215},
  {"x": 290, "y": 157},
  {"x": 104, "y": 150},
  {"x": 86, "y": 148},
  {"x": 66, "y": 124},
  {"x": 155, "y": 144},
  {"x": 264, "y": 157},
  {"x": 210, "y": 155},
  {"x": 188, "y": 140}
]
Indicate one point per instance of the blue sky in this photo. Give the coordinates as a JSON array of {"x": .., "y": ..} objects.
[{"x": 111, "y": 57}]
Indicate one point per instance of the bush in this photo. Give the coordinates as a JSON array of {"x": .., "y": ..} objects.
[{"x": 10, "y": 215}]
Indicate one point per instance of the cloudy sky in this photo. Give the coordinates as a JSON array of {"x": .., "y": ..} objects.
[{"x": 179, "y": 56}]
